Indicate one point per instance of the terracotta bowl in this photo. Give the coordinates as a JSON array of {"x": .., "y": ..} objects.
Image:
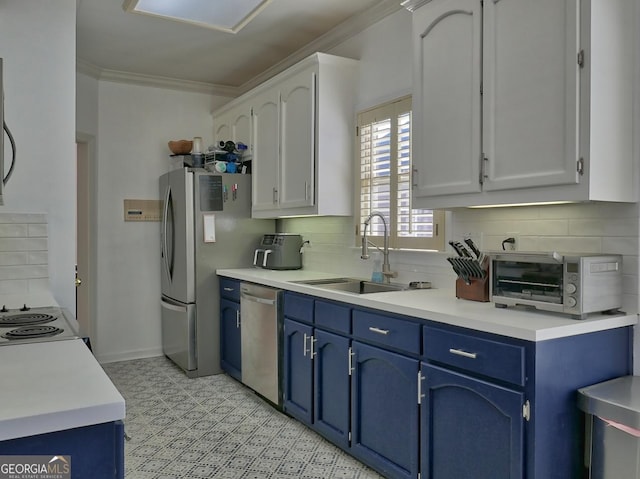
[{"x": 180, "y": 147}]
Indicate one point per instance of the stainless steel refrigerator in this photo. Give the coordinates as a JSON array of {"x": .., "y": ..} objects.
[{"x": 206, "y": 225}]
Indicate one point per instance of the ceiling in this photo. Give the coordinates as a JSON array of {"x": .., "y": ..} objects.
[{"x": 115, "y": 44}]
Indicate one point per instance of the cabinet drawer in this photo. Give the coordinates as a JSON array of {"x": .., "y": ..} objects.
[
  {"x": 483, "y": 356},
  {"x": 299, "y": 307},
  {"x": 387, "y": 331},
  {"x": 230, "y": 289},
  {"x": 333, "y": 316}
]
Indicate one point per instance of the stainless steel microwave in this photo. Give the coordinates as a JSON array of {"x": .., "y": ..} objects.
[{"x": 575, "y": 284}]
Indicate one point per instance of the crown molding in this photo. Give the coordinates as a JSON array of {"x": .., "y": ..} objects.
[
  {"x": 413, "y": 5},
  {"x": 154, "y": 81},
  {"x": 329, "y": 40}
]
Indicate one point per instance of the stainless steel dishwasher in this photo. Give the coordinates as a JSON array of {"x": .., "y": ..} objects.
[{"x": 261, "y": 333}]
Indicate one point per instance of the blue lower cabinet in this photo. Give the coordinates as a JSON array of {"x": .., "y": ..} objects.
[
  {"x": 331, "y": 387},
  {"x": 230, "y": 340},
  {"x": 384, "y": 419},
  {"x": 471, "y": 429},
  {"x": 298, "y": 370},
  {"x": 96, "y": 451}
]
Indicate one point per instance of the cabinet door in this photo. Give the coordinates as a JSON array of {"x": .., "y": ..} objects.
[
  {"x": 222, "y": 128},
  {"x": 264, "y": 165},
  {"x": 471, "y": 429},
  {"x": 298, "y": 140},
  {"x": 530, "y": 106},
  {"x": 384, "y": 419},
  {"x": 298, "y": 370},
  {"x": 446, "y": 98},
  {"x": 331, "y": 387},
  {"x": 241, "y": 125},
  {"x": 230, "y": 345}
]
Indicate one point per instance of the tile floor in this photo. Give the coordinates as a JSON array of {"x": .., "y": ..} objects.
[{"x": 214, "y": 427}]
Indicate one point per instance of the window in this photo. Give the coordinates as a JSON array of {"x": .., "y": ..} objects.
[{"x": 384, "y": 139}]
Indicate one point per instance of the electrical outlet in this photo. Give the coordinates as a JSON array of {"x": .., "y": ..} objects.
[{"x": 516, "y": 244}]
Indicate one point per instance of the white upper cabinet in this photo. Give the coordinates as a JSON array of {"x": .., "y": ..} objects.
[
  {"x": 265, "y": 163},
  {"x": 233, "y": 122},
  {"x": 302, "y": 137},
  {"x": 297, "y": 137},
  {"x": 523, "y": 101}
]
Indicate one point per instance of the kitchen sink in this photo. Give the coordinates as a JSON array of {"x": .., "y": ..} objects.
[{"x": 354, "y": 285}]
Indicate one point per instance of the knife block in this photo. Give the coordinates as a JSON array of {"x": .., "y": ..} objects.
[{"x": 478, "y": 290}]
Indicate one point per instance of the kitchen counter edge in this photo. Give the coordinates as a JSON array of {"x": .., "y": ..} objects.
[
  {"x": 58, "y": 385},
  {"x": 441, "y": 305}
]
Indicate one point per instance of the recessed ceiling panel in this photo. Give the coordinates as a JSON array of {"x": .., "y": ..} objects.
[{"x": 224, "y": 15}]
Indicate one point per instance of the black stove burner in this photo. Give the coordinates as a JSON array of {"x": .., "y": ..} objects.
[
  {"x": 28, "y": 332},
  {"x": 26, "y": 319}
]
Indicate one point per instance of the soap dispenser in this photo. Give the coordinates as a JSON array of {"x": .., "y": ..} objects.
[{"x": 377, "y": 276}]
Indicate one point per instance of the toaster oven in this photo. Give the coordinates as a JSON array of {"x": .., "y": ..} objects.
[{"x": 574, "y": 284}]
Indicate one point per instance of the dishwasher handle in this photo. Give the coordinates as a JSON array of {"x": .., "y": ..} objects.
[{"x": 256, "y": 299}]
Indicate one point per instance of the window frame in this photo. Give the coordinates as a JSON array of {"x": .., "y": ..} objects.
[{"x": 392, "y": 109}]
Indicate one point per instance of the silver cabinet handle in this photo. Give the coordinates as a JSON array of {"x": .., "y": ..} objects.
[
  {"x": 373, "y": 329},
  {"x": 351, "y": 355},
  {"x": 312, "y": 340},
  {"x": 420, "y": 395},
  {"x": 304, "y": 344},
  {"x": 238, "y": 319},
  {"x": 229, "y": 289},
  {"x": 460, "y": 352}
]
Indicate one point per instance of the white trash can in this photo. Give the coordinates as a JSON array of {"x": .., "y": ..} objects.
[{"x": 612, "y": 449}]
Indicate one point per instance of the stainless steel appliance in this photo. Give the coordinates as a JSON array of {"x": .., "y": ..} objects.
[
  {"x": 206, "y": 225},
  {"x": 32, "y": 325},
  {"x": 575, "y": 284},
  {"x": 261, "y": 340},
  {"x": 279, "y": 251}
]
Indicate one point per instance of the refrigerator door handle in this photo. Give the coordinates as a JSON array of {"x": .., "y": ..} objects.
[
  {"x": 165, "y": 215},
  {"x": 174, "y": 307}
]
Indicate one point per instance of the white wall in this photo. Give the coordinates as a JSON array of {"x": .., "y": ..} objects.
[
  {"x": 134, "y": 125},
  {"x": 37, "y": 43}
]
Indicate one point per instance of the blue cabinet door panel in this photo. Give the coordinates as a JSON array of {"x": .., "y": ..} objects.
[
  {"x": 96, "y": 451},
  {"x": 333, "y": 316},
  {"x": 230, "y": 340},
  {"x": 490, "y": 358},
  {"x": 331, "y": 373},
  {"x": 387, "y": 330},
  {"x": 298, "y": 370},
  {"x": 385, "y": 411},
  {"x": 230, "y": 289},
  {"x": 298, "y": 307},
  {"x": 471, "y": 429}
]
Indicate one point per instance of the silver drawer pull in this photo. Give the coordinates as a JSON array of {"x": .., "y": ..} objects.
[
  {"x": 378, "y": 330},
  {"x": 465, "y": 354},
  {"x": 229, "y": 289}
]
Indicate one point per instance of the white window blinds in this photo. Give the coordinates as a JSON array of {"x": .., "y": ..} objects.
[{"x": 385, "y": 179}]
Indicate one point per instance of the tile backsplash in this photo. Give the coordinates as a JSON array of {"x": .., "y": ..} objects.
[
  {"x": 23, "y": 253},
  {"x": 570, "y": 228}
]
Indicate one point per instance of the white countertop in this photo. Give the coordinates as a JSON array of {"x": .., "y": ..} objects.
[
  {"x": 441, "y": 305},
  {"x": 52, "y": 386}
]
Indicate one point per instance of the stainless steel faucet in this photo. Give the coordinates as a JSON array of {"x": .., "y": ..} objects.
[{"x": 386, "y": 267}]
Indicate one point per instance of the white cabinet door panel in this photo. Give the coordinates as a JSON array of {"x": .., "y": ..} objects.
[
  {"x": 531, "y": 85},
  {"x": 298, "y": 142},
  {"x": 264, "y": 165},
  {"x": 446, "y": 139}
]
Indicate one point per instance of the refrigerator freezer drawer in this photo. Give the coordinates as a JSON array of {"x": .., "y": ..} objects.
[{"x": 179, "y": 334}]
